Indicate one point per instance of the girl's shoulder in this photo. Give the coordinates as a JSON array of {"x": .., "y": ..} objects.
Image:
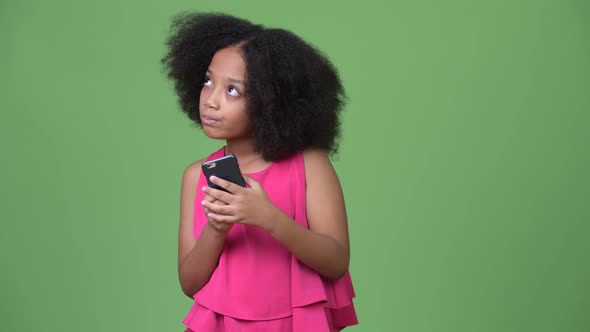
[
  {"x": 316, "y": 160},
  {"x": 315, "y": 153},
  {"x": 319, "y": 170},
  {"x": 193, "y": 171}
]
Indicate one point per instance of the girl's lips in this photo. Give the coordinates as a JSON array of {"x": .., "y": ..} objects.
[{"x": 208, "y": 121}]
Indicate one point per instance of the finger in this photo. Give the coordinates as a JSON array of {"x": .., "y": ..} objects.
[
  {"x": 213, "y": 200},
  {"x": 229, "y": 186},
  {"x": 205, "y": 208},
  {"x": 250, "y": 181},
  {"x": 222, "y": 218},
  {"x": 218, "y": 202},
  {"x": 218, "y": 208},
  {"x": 208, "y": 198},
  {"x": 219, "y": 194}
]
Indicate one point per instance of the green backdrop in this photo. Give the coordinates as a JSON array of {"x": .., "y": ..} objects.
[{"x": 464, "y": 161}]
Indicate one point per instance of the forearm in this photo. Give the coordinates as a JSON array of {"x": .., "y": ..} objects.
[
  {"x": 318, "y": 251},
  {"x": 198, "y": 266}
]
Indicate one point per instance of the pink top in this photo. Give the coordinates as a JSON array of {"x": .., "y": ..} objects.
[{"x": 257, "y": 278}]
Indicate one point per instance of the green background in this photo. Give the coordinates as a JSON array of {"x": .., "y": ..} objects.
[{"x": 464, "y": 161}]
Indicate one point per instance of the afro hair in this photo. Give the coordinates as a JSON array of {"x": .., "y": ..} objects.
[{"x": 293, "y": 93}]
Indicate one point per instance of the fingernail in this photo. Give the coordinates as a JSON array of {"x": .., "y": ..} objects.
[
  {"x": 203, "y": 202},
  {"x": 204, "y": 189},
  {"x": 213, "y": 178}
]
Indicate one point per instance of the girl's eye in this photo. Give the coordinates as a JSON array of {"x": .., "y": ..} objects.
[
  {"x": 233, "y": 91},
  {"x": 207, "y": 82}
]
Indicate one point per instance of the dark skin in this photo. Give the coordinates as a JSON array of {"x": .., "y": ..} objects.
[{"x": 323, "y": 247}]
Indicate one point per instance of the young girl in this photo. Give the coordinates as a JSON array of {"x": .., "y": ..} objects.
[{"x": 273, "y": 256}]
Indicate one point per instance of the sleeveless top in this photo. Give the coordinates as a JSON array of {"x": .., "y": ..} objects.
[{"x": 257, "y": 278}]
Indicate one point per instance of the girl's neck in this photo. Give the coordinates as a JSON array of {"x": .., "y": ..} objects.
[
  {"x": 243, "y": 147},
  {"x": 250, "y": 160}
]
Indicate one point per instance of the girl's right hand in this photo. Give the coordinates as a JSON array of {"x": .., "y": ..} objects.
[{"x": 221, "y": 227}]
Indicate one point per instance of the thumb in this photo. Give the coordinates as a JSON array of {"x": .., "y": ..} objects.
[{"x": 250, "y": 181}]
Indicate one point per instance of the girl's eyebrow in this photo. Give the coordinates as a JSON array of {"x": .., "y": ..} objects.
[{"x": 233, "y": 80}]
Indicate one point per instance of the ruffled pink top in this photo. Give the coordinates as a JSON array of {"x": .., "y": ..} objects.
[{"x": 259, "y": 285}]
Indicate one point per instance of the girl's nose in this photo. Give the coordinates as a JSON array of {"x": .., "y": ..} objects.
[
  {"x": 212, "y": 100},
  {"x": 210, "y": 103}
]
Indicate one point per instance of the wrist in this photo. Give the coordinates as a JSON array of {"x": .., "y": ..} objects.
[
  {"x": 272, "y": 219},
  {"x": 213, "y": 232}
]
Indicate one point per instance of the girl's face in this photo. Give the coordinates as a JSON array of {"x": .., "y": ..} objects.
[{"x": 222, "y": 102}]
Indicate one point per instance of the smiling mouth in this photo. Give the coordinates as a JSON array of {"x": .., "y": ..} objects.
[{"x": 208, "y": 121}]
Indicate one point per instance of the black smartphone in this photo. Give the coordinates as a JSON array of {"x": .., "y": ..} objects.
[{"x": 226, "y": 168}]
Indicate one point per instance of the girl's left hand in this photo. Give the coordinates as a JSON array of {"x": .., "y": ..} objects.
[{"x": 250, "y": 206}]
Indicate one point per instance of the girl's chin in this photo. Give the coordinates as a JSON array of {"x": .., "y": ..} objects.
[
  {"x": 218, "y": 134},
  {"x": 215, "y": 135},
  {"x": 212, "y": 132}
]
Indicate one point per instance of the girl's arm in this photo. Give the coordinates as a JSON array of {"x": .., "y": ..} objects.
[
  {"x": 197, "y": 259},
  {"x": 324, "y": 246}
]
